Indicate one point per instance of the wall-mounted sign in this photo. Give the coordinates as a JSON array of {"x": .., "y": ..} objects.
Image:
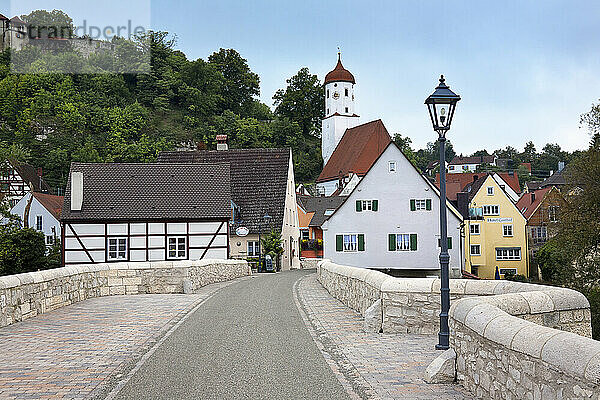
[
  {"x": 499, "y": 220},
  {"x": 242, "y": 231}
]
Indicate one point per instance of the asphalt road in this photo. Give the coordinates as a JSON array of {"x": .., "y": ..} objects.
[{"x": 246, "y": 342}]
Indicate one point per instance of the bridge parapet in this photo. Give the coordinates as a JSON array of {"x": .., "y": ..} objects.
[
  {"x": 532, "y": 341},
  {"x": 26, "y": 295}
]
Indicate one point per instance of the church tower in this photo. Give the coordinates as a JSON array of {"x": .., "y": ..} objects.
[{"x": 339, "y": 108}]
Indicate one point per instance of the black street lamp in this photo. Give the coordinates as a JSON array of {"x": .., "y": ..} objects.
[{"x": 441, "y": 105}]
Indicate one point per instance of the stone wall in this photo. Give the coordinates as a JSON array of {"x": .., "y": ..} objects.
[
  {"x": 26, "y": 295},
  {"x": 309, "y": 263},
  {"x": 512, "y": 340},
  {"x": 500, "y": 356}
]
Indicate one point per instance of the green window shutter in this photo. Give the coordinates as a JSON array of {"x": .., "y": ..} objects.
[
  {"x": 339, "y": 242},
  {"x": 449, "y": 243},
  {"x": 375, "y": 205},
  {"x": 358, "y": 205},
  {"x": 413, "y": 241},
  {"x": 361, "y": 242},
  {"x": 392, "y": 242},
  {"x": 413, "y": 206},
  {"x": 428, "y": 204}
]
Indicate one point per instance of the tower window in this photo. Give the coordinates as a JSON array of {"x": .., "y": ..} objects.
[
  {"x": 328, "y": 111},
  {"x": 346, "y": 92},
  {"x": 327, "y": 93},
  {"x": 335, "y": 85},
  {"x": 346, "y": 109}
]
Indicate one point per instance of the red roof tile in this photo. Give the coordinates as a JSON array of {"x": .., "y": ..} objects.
[
  {"x": 339, "y": 74},
  {"x": 455, "y": 183},
  {"x": 529, "y": 202},
  {"x": 357, "y": 151},
  {"x": 52, "y": 203}
]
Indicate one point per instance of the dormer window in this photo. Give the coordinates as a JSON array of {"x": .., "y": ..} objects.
[{"x": 490, "y": 190}]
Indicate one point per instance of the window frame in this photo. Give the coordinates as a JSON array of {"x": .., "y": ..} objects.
[
  {"x": 117, "y": 251},
  {"x": 392, "y": 166},
  {"x": 503, "y": 271},
  {"x": 177, "y": 250},
  {"x": 401, "y": 242},
  {"x": 553, "y": 213},
  {"x": 420, "y": 204},
  {"x": 39, "y": 222},
  {"x": 490, "y": 192},
  {"x": 349, "y": 240},
  {"x": 505, "y": 228},
  {"x": 478, "y": 226},
  {"x": 508, "y": 256},
  {"x": 255, "y": 245},
  {"x": 478, "y": 253},
  {"x": 497, "y": 209}
]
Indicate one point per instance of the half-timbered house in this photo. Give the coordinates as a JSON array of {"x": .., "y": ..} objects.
[{"x": 146, "y": 212}]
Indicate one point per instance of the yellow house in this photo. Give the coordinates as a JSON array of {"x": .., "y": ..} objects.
[{"x": 494, "y": 232}]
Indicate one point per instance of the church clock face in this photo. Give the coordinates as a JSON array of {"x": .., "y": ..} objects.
[{"x": 336, "y": 95}]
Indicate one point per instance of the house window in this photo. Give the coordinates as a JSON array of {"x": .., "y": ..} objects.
[
  {"x": 346, "y": 110},
  {"x": 254, "y": 248},
  {"x": 507, "y": 230},
  {"x": 475, "y": 249},
  {"x": 350, "y": 242},
  {"x": 366, "y": 205},
  {"x": 451, "y": 168},
  {"x": 327, "y": 93},
  {"x": 328, "y": 114},
  {"x": 117, "y": 248},
  {"x": 304, "y": 235},
  {"x": 475, "y": 270},
  {"x": 392, "y": 166},
  {"x": 346, "y": 91},
  {"x": 49, "y": 240},
  {"x": 474, "y": 229},
  {"x": 508, "y": 253},
  {"x": 177, "y": 248},
  {"x": 490, "y": 190},
  {"x": 329, "y": 212},
  {"x": 552, "y": 213},
  {"x": 420, "y": 205},
  {"x": 39, "y": 223},
  {"x": 465, "y": 167},
  {"x": 402, "y": 242},
  {"x": 539, "y": 234},
  {"x": 490, "y": 210}
]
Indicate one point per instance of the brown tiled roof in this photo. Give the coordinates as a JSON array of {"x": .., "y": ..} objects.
[
  {"x": 455, "y": 183},
  {"x": 473, "y": 187},
  {"x": 357, "y": 151},
  {"x": 525, "y": 204},
  {"x": 319, "y": 205},
  {"x": 53, "y": 204},
  {"x": 472, "y": 160},
  {"x": 258, "y": 180},
  {"x": 558, "y": 178},
  {"x": 151, "y": 192},
  {"x": 29, "y": 174},
  {"x": 339, "y": 74}
]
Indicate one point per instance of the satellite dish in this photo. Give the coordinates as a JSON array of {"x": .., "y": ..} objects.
[{"x": 242, "y": 231}]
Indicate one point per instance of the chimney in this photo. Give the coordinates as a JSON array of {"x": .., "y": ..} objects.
[
  {"x": 462, "y": 203},
  {"x": 532, "y": 197},
  {"x": 222, "y": 142},
  {"x": 76, "y": 191},
  {"x": 561, "y": 165}
]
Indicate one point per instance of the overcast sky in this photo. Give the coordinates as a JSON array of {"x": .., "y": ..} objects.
[{"x": 526, "y": 70}]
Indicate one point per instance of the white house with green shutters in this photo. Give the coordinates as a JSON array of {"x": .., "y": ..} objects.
[{"x": 391, "y": 220}]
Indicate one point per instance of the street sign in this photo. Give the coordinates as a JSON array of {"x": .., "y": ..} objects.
[{"x": 242, "y": 231}]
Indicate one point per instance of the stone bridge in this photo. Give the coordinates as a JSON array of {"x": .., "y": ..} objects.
[{"x": 211, "y": 329}]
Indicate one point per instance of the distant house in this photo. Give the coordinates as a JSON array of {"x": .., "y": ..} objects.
[
  {"x": 18, "y": 179},
  {"x": 262, "y": 183},
  {"x": 355, "y": 153},
  {"x": 557, "y": 179},
  {"x": 532, "y": 186},
  {"x": 146, "y": 212},
  {"x": 541, "y": 208},
  {"x": 391, "y": 221},
  {"x": 44, "y": 214},
  {"x": 456, "y": 183},
  {"x": 432, "y": 166},
  {"x": 312, "y": 213},
  {"x": 461, "y": 164},
  {"x": 494, "y": 230}
]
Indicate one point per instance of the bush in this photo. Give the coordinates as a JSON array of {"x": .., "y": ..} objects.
[
  {"x": 594, "y": 298},
  {"x": 516, "y": 277},
  {"x": 22, "y": 250}
]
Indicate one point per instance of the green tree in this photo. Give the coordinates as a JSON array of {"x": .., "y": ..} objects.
[
  {"x": 404, "y": 143},
  {"x": 21, "y": 250},
  {"x": 53, "y": 24},
  {"x": 302, "y": 102},
  {"x": 239, "y": 85}
]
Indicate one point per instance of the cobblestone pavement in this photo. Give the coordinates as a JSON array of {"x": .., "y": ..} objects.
[
  {"x": 82, "y": 350},
  {"x": 369, "y": 365}
]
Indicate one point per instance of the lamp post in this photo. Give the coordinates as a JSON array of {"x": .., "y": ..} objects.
[{"x": 441, "y": 105}]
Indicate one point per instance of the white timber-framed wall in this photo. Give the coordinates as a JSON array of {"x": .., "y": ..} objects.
[
  {"x": 290, "y": 228},
  {"x": 40, "y": 218},
  {"x": 89, "y": 241},
  {"x": 397, "y": 211}
]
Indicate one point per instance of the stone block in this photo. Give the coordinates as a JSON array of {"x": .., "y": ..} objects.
[
  {"x": 503, "y": 329},
  {"x": 480, "y": 315},
  {"x": 539, "y": 302},
  {"x": 188, "y": 287},
  {"x": 131, "y": 281},
  {"x": 373, "y": 318},
  {"x": 480, "y": 287},
  {"x": 513, "y": 303},
  {"x": 442, "y": 369},
  {"x": 115, "y": 282},
  {"x": 459, "y": 309},
  {"x": 570, "y": 353},
  {"x": 567, "y": 299},
  {"x": 117, "y": 290}
]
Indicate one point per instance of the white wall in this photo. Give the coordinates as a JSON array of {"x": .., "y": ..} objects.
[
  {"x": 145, "y": 242},
  {"x": 48, "y": 220},
  {"x": 393, "y": 192},
  {"x": 334, "y": 127},
  {"x": 290, "y": 231}
]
